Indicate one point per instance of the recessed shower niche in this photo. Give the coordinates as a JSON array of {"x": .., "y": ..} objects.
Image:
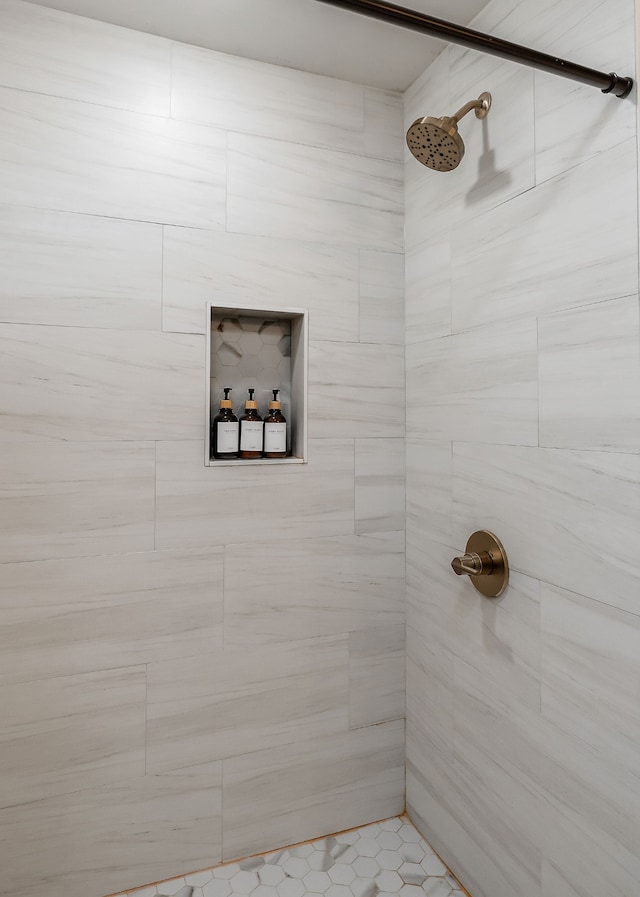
[{"x": 261, "y": 349}]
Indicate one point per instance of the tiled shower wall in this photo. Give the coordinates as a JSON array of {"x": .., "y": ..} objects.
[
  {"x": 523, "y": 411},
  {"x": 195, "y": 664}
]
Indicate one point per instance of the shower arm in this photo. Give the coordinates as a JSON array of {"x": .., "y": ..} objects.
[{"x": 476, "y": 40}]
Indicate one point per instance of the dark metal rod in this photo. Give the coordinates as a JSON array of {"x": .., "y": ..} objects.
[{"x": 476, "y": 40}]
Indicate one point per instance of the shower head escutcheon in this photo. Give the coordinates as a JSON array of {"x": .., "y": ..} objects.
[{"x": 436, "y": 143}]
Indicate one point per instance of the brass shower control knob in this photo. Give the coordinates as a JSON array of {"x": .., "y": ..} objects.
[{"x": 485, "y": 563}]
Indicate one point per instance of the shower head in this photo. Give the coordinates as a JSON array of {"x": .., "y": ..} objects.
[{"x": 436, "y": 143}]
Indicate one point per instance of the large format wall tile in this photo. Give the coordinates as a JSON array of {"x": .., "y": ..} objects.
[
  {"x": 304, "y": 193},
  {"x": 499, "y": 160},
  {"x": 100, "y": 384},
  {"x": 376, "y": 675},
  {"x": 476, "y": 386},
  {"x": 589, "y": 377},
  {"x": 70, "y": 499},
  {"x": 590, "y": 655},
  {"x": 381, "y": 297},
  {"x": 70, "y": 733},
  {"x": 213, "y": 707},
  {"x": 75, "y": 157},
  {"x": 113, "y": 837},
  {"x": 499, "y": 638},
  {"x": 198, "y": 505},
  {"x": 582, "y": 794},
  {"x": 266, "y": 100},
  {"x": 297, "y": 589},
  {"x": 319, "y": 786},
  {"x": 245, "y": 271},
  {"x": 356, "y": 389},
  {"x": 583, "y": 224},
  {"x": 50, "y": 52},
  {"x": 384, "y": 137},
  {"x": 472, "y": 817},
  {"x": 79, "y": 271},
  {"x": 75, "y": 615},
  {"x": 570, "y": 518},
  {"x": 379, "y": 495},
  {"x": 574, "y": 122},
  {"x": 428, "y": 289}
]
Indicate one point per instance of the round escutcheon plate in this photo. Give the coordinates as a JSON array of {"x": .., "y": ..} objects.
[{"x": 493, "y": 585}]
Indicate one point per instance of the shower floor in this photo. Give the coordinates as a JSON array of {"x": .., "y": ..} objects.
[{"x": 381, "y": 860}]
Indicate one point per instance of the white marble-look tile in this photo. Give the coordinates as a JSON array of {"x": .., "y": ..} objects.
[
  {"x": 589, "y": 377},
  {"x": 474, "y": 817},
  {"x": 379, "y": 495},
  {"x": 429, "y": 492},
  {"x": 478, "y": 385},
  {"x": 75, "y": 157},
  {"x": 577, "y": 783},
  {"x": 75, "y": 499},
  {"x": 279, "y": 796},
  {"x": 590, "y": 657},
  {"x": 79, "y": 271},
  {"x": 70, "y": 733},
  {"x": 297, "y": 589},
  {"x": 498, "y": 638},
  {"x": 514, "y": 22},
  {"x": 583, "y": 224},
  {"x": 575, "y": 122},
  {"x": 198, "y": 505},
  {"x": 95, "y": 384},
  {"x": 256, "y": 98},
  {"x": 376, "y": 675},
  {"x": 429, "y": 703},
  {"x": 356, "y": 389},
  {"x": 569, "y": 517},
  {"x": 554, "y": 884},
  {"x": 116, "y": 836},
  {"x": 499, "y": 160},
  {"x": 428, "y": 289},
  {"x": 51, "y": 52},
  {"x": 381, "y": 297},
  {"x": 280, "y": 189},
  {"x": 384, "y": 134},
  {"x": 239, "y": 270},
  {"x": 75, "y": 615},
  {"x": 224, "y": 705}
]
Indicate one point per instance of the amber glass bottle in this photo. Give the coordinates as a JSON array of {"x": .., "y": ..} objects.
[
  {"x": 251, "y": 429},
  {"x": 224, "y": 430},
  {"x": 275, "y": 430}
]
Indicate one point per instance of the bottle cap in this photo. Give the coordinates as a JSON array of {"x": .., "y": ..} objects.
[
  {"x": 275, "y": 403},
  {"x": 250, "y": 402},
  {"x": 226, "y": 402}
]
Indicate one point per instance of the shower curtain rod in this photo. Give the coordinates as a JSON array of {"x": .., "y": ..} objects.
[{"x": 476, "y": 40}]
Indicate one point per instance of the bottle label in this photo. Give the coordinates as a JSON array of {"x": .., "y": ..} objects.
[
  {"x": 227, "y": 440},
  {"x": 275, "y": 437},
  {"x": 251, "y": 435}
]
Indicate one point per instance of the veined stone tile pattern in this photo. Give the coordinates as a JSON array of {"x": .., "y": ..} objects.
[{"x": 379, "y": 860}]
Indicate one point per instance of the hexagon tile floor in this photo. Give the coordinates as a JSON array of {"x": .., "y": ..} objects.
[{"x": 381, "y": 860}]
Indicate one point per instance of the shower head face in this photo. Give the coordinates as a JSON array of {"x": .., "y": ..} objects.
[{"x": 436, "y": 143}]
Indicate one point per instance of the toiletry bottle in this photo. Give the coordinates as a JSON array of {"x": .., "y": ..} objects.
[
  {"x": 275, "y": 430},
  {"x": 224, "y": 430},
  {"x": 251, "y": 428}
]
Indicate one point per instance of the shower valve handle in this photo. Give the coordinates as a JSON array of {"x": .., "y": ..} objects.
[{"x": 473, "y": 564}]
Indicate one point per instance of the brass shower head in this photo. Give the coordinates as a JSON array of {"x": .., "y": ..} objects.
[{"x": 436, "y": 143}]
